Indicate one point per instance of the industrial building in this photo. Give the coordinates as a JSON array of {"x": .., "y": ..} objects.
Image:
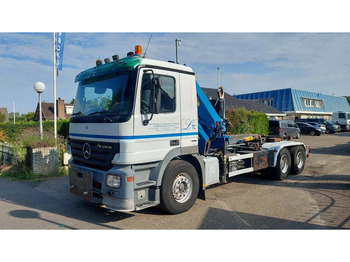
[{"x": 300, "y": 104}]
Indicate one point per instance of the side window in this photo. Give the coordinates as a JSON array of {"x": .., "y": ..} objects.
[
  {"x": 167, "y": 103},
  {"x": 165, "y": 92}
]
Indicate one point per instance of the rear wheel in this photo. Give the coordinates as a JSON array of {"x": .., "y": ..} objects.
[
  {"x": 180, "y": 186},
  {"x": 283, "y": 167},
  {"x": 297, "y": 159}
]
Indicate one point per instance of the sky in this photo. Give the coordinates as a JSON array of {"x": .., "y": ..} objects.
[
  {"x": 247, "y": 62},
  {"x": 257, "y": 48}
]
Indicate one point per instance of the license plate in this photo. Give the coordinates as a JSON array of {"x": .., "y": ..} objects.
[{"x": 81, "y": 184}]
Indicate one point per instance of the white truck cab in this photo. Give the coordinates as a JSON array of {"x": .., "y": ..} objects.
[{"x": 343, "y": 119}]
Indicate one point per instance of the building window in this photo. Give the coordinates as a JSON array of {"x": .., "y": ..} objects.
[
  {"x": 268, "y": 101},
  {"x": 310, "y": 102},
  {"x": 69, "y": 110}
]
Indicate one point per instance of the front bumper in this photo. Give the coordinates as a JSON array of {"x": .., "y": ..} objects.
[{"x": 90, "y": 184}]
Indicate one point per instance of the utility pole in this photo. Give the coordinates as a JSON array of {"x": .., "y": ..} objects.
[
  {"x": 177, "y": 43},
  {"x": 218, "y": 76},
  {"x": 54, "y": 87}
]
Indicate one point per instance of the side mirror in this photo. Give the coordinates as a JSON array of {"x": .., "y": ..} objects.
[{"x": 155, "y": 97}]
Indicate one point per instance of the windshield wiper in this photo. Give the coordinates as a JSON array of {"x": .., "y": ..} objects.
[
  {"x": 77, "y": 113},
  {"x": 101, "y": 114}
]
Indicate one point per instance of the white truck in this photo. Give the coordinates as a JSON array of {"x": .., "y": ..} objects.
[
  {"x": 143, "y": 134},
  {"x": 343, "y": 119}
]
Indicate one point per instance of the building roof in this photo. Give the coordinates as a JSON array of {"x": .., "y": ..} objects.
[
  {"x": 48, "y": 111},
  {"x": 233, "y": 102},
  {"x": 293, "y": 100}
]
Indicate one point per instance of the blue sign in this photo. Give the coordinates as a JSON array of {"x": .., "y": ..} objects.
[{"x": 59, "y": 49}]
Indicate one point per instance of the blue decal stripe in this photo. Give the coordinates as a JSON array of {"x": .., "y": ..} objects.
[{"x": 134, "y": 137}]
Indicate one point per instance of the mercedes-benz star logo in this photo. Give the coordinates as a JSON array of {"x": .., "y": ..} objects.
[{"x": 86, "y": 151}]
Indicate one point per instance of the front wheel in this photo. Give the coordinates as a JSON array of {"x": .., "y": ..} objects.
[{"x": 180, "y": 187}]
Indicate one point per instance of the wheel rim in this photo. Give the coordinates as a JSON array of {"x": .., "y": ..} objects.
[
  {"x": 300, "y": 160},
  {"x": 312, "y": 133},
  {"x": 182, "y": 187},
  {"x": 284, "y": 164}
]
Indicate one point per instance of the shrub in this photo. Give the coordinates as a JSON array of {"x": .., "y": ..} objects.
[
  {"x": 247, "y": 122},
  {"x": 14, "y": 131},
  {"x": 258, "y": 123}
]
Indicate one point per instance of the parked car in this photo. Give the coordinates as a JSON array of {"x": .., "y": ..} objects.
[
  {"x": 284, "y": 128},
  {"x": 320, "y": 126},
  {"x": 306, "y": 128},
  {"x": 331, "y": 128}
]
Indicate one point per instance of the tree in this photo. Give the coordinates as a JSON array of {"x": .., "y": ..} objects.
[
  {"x": 24, "y": 117},
  {"x": 348, "y": 98}
]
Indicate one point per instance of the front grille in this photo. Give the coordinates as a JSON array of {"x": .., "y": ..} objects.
[{"x": 101, "y": 153}]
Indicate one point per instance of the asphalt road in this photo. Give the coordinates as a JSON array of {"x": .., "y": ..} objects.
[{"x": 317, "y": 199}]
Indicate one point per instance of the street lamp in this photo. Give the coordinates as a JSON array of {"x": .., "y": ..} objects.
[
  {"x": 177, "y": 43},
  {"x": 39, "y": 87}
]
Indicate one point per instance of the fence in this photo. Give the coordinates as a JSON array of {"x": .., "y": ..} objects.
[{"x": 10, "y": 155}]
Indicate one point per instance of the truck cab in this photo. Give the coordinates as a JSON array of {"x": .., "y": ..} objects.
[
  {"x": 130, "y": 115},
  {"x": 342, "y": 119}
]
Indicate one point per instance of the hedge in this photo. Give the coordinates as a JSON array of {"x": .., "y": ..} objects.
[
  {"x": 243, "y": 122},
  {"x": 13, "y": 131},
  {"x": 247, "y": 122}
]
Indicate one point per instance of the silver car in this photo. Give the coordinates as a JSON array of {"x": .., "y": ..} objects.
[{"x": 320, "y": 126}]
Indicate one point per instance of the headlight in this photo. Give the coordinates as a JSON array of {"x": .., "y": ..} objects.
[{"x": 113, "y": 181}]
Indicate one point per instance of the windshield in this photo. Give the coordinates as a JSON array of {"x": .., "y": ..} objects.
[
  {"x": 108, "y": 97},
  {"x": 344, "y": 115}
]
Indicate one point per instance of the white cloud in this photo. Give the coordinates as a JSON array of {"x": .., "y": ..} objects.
[{"x": 248, "y": 61}]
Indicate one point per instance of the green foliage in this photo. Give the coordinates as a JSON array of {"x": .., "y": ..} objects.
[
  {"x": 247, "y": 122},
  {"x": 258, "y": 123},
  {"x": 26, "y": 117},
  {"x": 26, "y": 134},
  {"x": 348, "y": 98},
  {"x": 14, "y": 131}
]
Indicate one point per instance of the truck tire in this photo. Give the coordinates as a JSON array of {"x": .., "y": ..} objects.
[
  {"x": 283, "y": 167},
  {"x": 298, "y": 160},
  {"x": 180, "y": 187}
]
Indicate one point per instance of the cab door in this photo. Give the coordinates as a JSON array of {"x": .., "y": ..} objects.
[{"x": 157, "y": 115}]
